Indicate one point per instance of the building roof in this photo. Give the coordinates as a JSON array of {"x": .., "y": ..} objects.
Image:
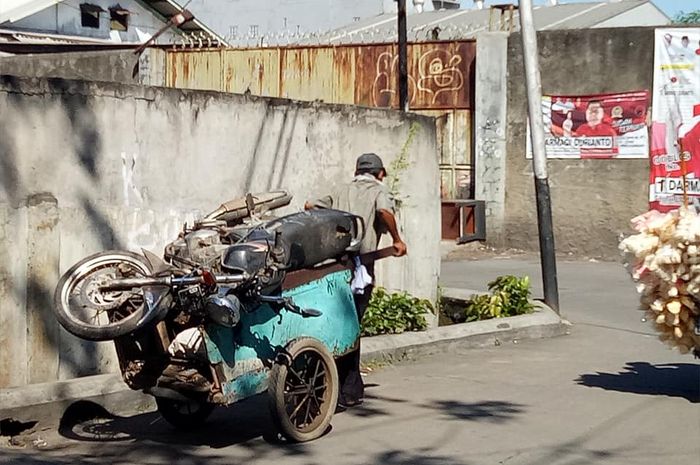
[
  {"x": 15, "y": 10},
  {"x": 19, "y": 42},
  {"x": 22, "y": 42},
  {"x": 28, "y": 37},
  {"x": 466, "y": 23}
]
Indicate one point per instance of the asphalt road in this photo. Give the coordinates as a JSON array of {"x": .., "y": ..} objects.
[{"x": 609, "y": 393}]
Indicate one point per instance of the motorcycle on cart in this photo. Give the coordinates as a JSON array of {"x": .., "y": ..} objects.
[{"x": 241, "y": 303}]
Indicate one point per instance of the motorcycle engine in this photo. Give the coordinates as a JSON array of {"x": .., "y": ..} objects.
[
  {"x": 221, "y": 252},
  {"x": 202, "y": 246}
]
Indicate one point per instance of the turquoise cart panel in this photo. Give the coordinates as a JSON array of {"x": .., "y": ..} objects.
[{"x": 246, "y": 353}]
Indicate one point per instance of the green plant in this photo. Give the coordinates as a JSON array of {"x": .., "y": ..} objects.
[
  {"x": 393, "y": 313},
  {"x": 510, "y": 296},
  {"x": 691, "y": 17},
  {"x": 439, "y": 298},
  {"x": 399, "y": 165}
]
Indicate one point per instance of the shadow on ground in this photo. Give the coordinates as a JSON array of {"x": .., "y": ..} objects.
[
  {"x": 491, "y": 411},
  {"x": 146, "y": 438},
  {"x": 239, "y": 423},
  {"x": 672, "y": 379}
]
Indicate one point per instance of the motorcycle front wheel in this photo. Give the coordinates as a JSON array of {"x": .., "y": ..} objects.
[
  {"x": 90, "y": 313},
  {"x": 184, "y": 415}
]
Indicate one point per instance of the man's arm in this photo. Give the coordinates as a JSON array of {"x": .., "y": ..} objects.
[{"x": 390, "y": 221}]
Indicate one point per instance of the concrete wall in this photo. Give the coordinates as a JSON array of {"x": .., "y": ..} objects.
[
  {"x": 123, "y": 66},
  {"x": 64, "y": 18},
  {"x": 490, "y": 129},
  {"x": 593, "y": 200},
  {"x": 86, "y": 167}
]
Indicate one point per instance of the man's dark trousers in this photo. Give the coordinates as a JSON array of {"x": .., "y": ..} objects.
[{"x": 352, "y": 389}]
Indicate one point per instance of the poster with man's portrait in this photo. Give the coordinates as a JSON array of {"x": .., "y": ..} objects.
[
  {"x": 675, "y": 127},
  {"x": 596, "y": 126}
]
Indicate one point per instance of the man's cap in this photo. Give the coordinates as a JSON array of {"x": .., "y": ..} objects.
[{"x": 369, "y": 161}]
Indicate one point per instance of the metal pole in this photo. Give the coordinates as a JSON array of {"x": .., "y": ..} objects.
[
  {"x": 539, "y": 158},
  {"x": 177, "y": 20},
  {"x": 403, "y": 58}
]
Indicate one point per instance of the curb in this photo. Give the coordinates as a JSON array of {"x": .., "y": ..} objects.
[
  {"x": 48, "y": 401},
  {"x": 543, "y": 323}
]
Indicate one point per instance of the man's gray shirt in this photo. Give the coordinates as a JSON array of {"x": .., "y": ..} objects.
[{"x": 364, "y": 196}]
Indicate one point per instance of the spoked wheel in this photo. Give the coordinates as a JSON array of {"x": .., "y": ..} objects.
[
  {"x": 304, "y": 391},
  {"x": 184, "y": 415},
  {"x": 89, "y": 313}
]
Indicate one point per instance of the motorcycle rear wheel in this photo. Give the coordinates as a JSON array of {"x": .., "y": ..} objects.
[{"x": 85, "y": 311}]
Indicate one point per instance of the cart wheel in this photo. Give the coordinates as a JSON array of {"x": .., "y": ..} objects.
[
  {"x": 184, "y": 415},
  {"x": 304, "y": 392}
]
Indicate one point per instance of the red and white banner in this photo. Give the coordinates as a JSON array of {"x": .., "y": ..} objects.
[
  {"x": 596, "y": 126},
  {"x": 675, "y": 118}
]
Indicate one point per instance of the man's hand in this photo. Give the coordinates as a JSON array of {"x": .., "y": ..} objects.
[
  {"x": 390, "y": 222},
  {"x": 400, "y": 248},
  {"x": 308, "y": 206}
]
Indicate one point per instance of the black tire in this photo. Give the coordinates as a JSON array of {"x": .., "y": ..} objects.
[
  {"x": 76, "y": 296},
  {"x": 184, "y": 415},
  {"x": 309, "y": 362}
]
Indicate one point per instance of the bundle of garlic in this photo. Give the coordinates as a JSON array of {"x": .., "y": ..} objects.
[{"x": 664, "y": 261}]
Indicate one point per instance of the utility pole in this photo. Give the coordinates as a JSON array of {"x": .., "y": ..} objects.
[
  {"x": 539, "y": 157},
  {"x": 403, "y": 57}
]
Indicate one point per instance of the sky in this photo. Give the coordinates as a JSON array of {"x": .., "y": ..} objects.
[
  {"x": 673, "y": 7},
  {"x": 670, "y": 7}
]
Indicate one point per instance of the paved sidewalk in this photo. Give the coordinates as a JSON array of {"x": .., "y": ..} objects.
[{"x": 591, "y": 293}]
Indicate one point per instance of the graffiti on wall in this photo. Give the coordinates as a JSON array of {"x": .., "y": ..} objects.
[
  {"x": 438, "y": 77},
  {"x": 489, "y": 152},
  {"x": 384, "y": 88},
  {"x": 439, "y": 72}
]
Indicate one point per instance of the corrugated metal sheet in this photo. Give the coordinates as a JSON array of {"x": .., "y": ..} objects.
[
  {"x": 440, "y": 73},
  {"x": 454, "y": 134},
  {"x": 201, "y": 70},
  {"x": 345, "y": 72},
  {"x": 307, "y": 73},
  {"x": 463, "y": 138},
  {"x": 254, "y": 71}
]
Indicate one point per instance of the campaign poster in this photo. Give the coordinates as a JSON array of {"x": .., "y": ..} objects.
[
  {"x": 596, "y": 126},
  {"x": 675, "y": 126}
]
